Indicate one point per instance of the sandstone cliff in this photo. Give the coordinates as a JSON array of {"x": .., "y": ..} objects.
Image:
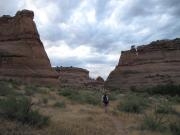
[
  {"x": 73, "y": 76},
  {"x": 22, "y": 55},
  {"x": 147, "y": 66}
]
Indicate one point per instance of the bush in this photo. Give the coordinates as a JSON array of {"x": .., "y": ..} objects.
[
  {"x": 165, "y": 107},
  {"x": 175, "y": 128},
  {"x": 67, "y": 92},
  {"x": 60, "y": 104},
  {"x": 114, "y": 95},
  {"x": 153, "y": 122},
  {"x": 83, "y": 96},
  {"x": 6, "y": 89},
  {"x": 30, "y": 90},
  {"x": 20, "y": 110},
  {"x": 168, "y": 89},
  {"x": 133, "y": 103},
  {"x": 175, "y": 99}
]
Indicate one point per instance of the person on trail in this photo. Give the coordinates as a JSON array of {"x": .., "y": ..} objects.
[{"x": 105, "y": 100}]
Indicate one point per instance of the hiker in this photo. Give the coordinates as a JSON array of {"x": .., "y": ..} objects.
[{"x": 105, "y": 101}]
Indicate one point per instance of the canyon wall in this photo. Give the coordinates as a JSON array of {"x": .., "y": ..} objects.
[
  {"x": 22, "y": 54},
  {"x": 147, "y": 65}
]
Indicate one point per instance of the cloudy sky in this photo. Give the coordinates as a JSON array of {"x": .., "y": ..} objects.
[{"x": 92, "y": 33}]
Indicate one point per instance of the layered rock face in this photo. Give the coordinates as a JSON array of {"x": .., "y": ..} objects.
[
  {"x": 22, "y": 55},
  {"x": 148, "y": 65},
  {"x": 73, "y": 76}
]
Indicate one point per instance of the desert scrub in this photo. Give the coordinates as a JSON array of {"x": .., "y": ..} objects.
[
  {"x": 165, "y": 108},
  {"x": 30, "y": 90},
  {"x": 175, "y": 99},
  {"x": 60, "y": 104},
  {"x": 20, "y": 109},
  {"x": 82, "y": 96},
  {"x": 114, "y": 95},
  {"x": 133, "y": 104},
  {"x": 168, "y": 89},
  {"x": 6, "y": 89},
  {"x": 153, "y": 122},
  {"x": 175, "y": 127}
]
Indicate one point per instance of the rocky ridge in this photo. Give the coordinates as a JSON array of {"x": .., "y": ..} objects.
[{"x": 147, "y": 65}]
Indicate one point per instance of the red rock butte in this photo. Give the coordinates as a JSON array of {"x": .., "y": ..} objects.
[
  {"x": 79, "y": 77},
  {"x": 157, "y": 63},
  {"x": 22, "y": 54}
]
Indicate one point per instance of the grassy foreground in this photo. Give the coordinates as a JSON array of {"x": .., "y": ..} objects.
[{"x": 68, "y": 111}]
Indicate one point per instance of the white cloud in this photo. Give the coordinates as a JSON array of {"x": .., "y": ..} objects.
[
  {"x": 102, "y": 70},
  {"x": 62, "y": 50},
  {"x": 92, "y": 33}
]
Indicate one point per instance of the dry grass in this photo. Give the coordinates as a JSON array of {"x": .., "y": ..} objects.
[{"x": 79, "y": 119}]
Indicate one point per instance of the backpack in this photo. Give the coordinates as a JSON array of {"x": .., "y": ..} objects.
[{"x": 105, "y": 99}]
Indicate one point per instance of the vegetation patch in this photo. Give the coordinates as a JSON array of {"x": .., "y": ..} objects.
[
  {"x": 153, "y": 122},
  {"x": 175, "y": 127},
  {"x": 165, "y": 108},
  {"x": 114, "y": 95},
  {"x": 6, "y": 89},
  {"x": 60, "y": 104},
  {"x": 174, "y": 99},
  {"x": 169, "y": 89},
  {"x": 133, "y": 104},
  {"x": 82, "y": 96},
  {"x": 20, "y": 109}
]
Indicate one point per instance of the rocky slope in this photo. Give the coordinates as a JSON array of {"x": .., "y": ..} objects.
[
  {"x": 22, "y": 55},
  {"x": 147, "y": 66}
]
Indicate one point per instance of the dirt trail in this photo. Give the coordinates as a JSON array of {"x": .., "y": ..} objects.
[{"x": 121, "y": 130}]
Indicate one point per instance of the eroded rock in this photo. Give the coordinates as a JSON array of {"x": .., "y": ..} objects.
[
  {"x": 22, "y": 54},
  {"x": 77, "y": 77},
  {"x": 147, "y": 65}
]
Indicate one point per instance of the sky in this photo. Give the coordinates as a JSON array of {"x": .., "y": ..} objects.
[{"x": 91, "y": 34}]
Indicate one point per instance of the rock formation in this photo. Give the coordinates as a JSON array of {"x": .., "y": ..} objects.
[
  {"x": 147, "y": 65},
  {"x": 100, "y": 79},
  {"x": 72, "y": 76},
  {"x": 78, "y": 77},
  {"x": 22, "y": 55}
]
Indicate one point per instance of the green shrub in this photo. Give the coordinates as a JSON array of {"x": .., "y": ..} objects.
[
  {"x": 114, "y": 95},
  {"x": 175, "y": 128},
  {"x": 153, "y": 122},
  {"x": 60, "y": 104},
  {"x": 82, "y": 96},
  {"x": 133, "y": 103},
  {"x": 175, "y": 99},
  {"x": 6, "y": 89},
  {"x": 20, "y": 110},
  {"x": 68, "y": 92},
  {"x": 30, "y": 90},
  {"x": 164, "y": 107},
  {"x": 168, "y": 89}
]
